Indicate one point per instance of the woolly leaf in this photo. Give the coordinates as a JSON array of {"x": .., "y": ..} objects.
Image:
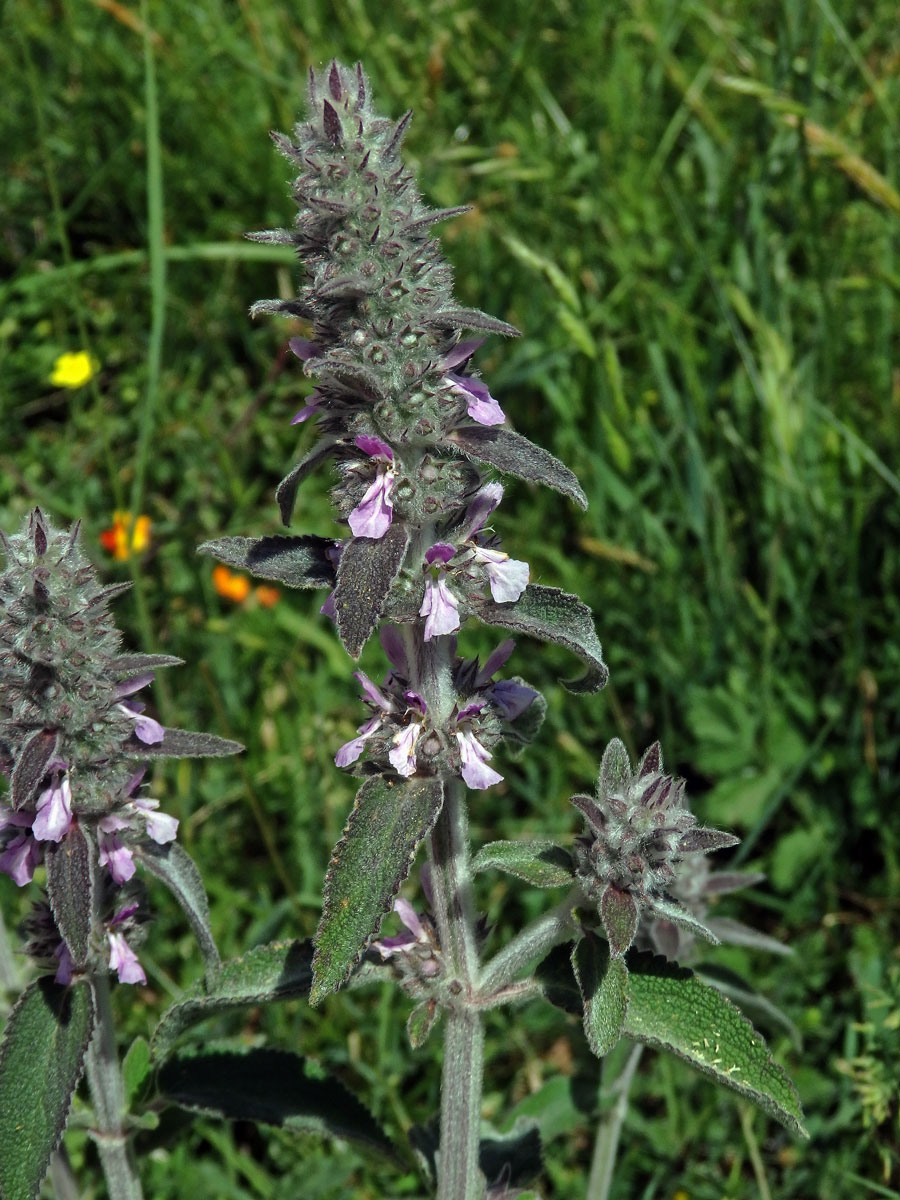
[
  {"x": 272, "y": 1087},
  {"x": 31, "y": 766},
  {"x": 127, "y": 666},
  {"x": 752, "y": 1003},
  {"x": 540, "y": 863},
  {"x": 674, "y": 911},
  {"x": 670, "y": 1008},
  {"x": 182, "y": 743},
  {"x": 615, "y": 771},
  {"x": 620, "y": 914},
  {"x": 552, "y": 616},
  {"x": 515, "y": 455},
  {"x": 286, "y": 492},
  {"x": 736, "y": 933},
  {"x": 177, "y": 870},
  {"x": 278, "y": 971},
  {"x": 421, "y": 1021},
  {"x": 41, "y": 1060},
  {"x": 297, "y": 562},
  {"x": 365, "y": 575},
  {"x": 70, "y": 886},
  {"x": 471, "y": 318},
  {"x": 390, "y": 818},
  {"x": 603, "y": 981},
  {"x": 136, "y": 1070}
]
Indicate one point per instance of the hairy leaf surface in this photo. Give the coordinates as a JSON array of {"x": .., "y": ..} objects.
[
  {"x": 175, "y": 867},
  {"x": 516, "y": 455},
  {"x": 541, "y": 863},
  {"x": 297, "y": 562}
]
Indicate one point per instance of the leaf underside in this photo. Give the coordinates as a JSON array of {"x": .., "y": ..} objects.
[
  {"x": 552, "y": 615},
  {"x": 389, "y": 820},
  {"x": 177, "y": 870},
  {"x": 366, "y": 573},
  {"x": 182, "y": 743},
  {"x": 513, "y": 454},
  {"x": 297, "y": 562},
  {"x": 270, "y": 1086},
  {"x": 41, "y": 1060}
]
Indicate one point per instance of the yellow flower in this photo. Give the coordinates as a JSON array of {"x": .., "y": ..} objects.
[
  {"x": 73, "y": 369},
  {"x": 116, "y": 539},
  {"x": 231, "y": 586}
]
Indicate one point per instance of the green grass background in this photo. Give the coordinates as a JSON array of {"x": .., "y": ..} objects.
[{"x": 691, "y": 211}]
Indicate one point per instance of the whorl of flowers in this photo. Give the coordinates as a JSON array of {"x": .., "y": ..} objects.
[
  {"x": 640, "y": 838},
  {"x": 73, "y": 735}
]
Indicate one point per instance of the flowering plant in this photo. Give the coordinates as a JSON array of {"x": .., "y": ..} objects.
[{"x": 415, "y": 438}]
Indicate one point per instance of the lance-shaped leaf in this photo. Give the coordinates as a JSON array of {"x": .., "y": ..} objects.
[
  {"x": 390, "y": 818},
  {"x": 540, "y": 863},
  {"x": 31, "y": 766},
  {"x": 552, "y": 616},
  {"x": 421, "y": 1021},
  {"x": 70, "y": 885},
  {"x": 753, "y": 1004},
  {"x": 471, "y": 318},
  {"x": 297, "y": 562},
  {"x": 182, "y": 743},
  {"x": 366, "y": 573},
  {"x": 41, "y": 1060},
  {"x": 668, "y": 909},
  {"x": 127, "y": 666},
  {"x": 669, "y": 1007},
  {"x": 278, "y": 971},
  {"x": 620, "y": 913},
  {"x": 177, "y": 870},
  {"x": 515, "y": 455},
  {"x": 270, "y": 1086},
  {"x": 736, "y": 933},
  {"x": 603, "y": 980},
  {"x": 286, "y": 492}
]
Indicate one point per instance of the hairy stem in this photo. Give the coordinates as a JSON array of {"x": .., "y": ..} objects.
[
  {"x": 607, "y": 1142},
  {"x": 108, "y": 1094},
  {"x": 459, "y": 1176},
  {"x": 532, "y": 943}
]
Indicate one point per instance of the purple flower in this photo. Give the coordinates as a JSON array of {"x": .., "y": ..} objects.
[
  {"x": 160, "y": 826},
  {"x": 303, "y": 349},
  {"x": 511, "y": 698},
  {"x": 372, "y": 516},
  {"x": 20, "y": 858},
  {"x": 419, "y": 934},
  {"x": 123, "y": 960},
  {"x": 508, "y": 577},
  {"x": 475, "y": 771},
  {"x": 439, "y": 606},
  {"x": 350, "y": 751},
  {"x": 495, "y": 661},
  {"x": 440, "y": 609},
  {"x": 310, "y": 409},
  {"x": 480, "y": 404},
  {"x": 147, "y": 730},
  {"x": 403, "y": 756},
  {"x": 64, "y": 970},
  {"x": 480, "y": 508},
  {"x": 461, "y": 353},
  {"x": 113, "y": 853},
  {"x": 53, "y": 819}
]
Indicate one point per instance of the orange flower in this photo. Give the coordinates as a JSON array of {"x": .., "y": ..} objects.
[
  {"x": 126, "y": 536},
  {"x": 267, "y": 596},
  {"x": 230, "y": 585}
]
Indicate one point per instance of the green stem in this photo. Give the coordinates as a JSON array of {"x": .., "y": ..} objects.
[
  {"x": 607, "y": 1143},
  {"x": 459, "y": 1176},
  {"x": 108, "y": 1095},
  {"x": 527, "y": 947}
]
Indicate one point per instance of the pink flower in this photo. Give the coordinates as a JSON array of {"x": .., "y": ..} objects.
[
  {"x": 147, "y": 730},
  {"x": 480, "y": 404},
  {"x": 403, "y": 755},
  {"x": 123, "y": 960},
  {"x": 508, "y": 577},
  {"x": 475, "y": 771},
  {"x": 372, "y": 516},
  {"x": 439, "y": 606},
  {"x": 160, "y": 826},
  {"x": 113, "y": 853},
  {"x": 20, "y": 858},
  {"x": 54, "y": 811}
]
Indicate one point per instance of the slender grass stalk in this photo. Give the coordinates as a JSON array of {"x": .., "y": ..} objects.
[{"x": 607, "y": 1142}]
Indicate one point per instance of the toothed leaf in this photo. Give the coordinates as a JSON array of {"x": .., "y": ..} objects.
[
  {"x": 389, "y": 820},
  {"x": 552, "y": 616},
  {"x": 603, "y": 980},
  {"x": 41, "y": 1060},
  {"x": 70, "y": 886},
  {"x": 540, "y": 863},
  {"x": 177, "y": 870},
  {"x": 272, "y": 1087},
  {"x": 297, "y": 562},
  {"x": 278, "y": 971},
  {"x": 365, "y": 575},
  {"x": 31, "y": 766},
  {"x": 515, "y": 455},
  {"x": 670, "y": 1008}
]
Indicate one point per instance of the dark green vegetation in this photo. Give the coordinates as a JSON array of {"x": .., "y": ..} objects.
[{"x": 691, "y": 212}]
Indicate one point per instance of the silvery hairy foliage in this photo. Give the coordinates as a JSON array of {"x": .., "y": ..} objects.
[{"x": 415, "y": 447}]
